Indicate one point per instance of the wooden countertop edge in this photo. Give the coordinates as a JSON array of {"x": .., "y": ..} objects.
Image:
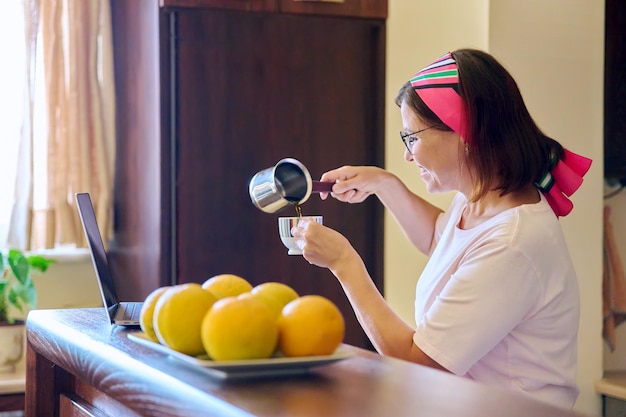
[
  {"x": 83, "y": 343},
  {"x": 52, "y": 340},
  {"x": 613, "y": 384}
]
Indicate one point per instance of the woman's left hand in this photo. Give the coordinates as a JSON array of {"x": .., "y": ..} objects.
[{"x": 321, "y": 245}]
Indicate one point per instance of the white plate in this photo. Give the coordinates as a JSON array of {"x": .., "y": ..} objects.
[{"x": 246, "y": 368}]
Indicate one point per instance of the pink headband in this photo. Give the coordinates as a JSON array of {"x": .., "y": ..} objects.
[{"x": 438, "y": 86}]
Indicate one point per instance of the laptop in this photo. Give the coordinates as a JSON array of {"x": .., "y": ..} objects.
[{"x": 120, "y": 313}]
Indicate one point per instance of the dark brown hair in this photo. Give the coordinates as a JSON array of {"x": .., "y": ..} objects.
[{"x": 507, "y": 150}]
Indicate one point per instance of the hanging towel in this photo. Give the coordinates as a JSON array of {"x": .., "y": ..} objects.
[{"x": 613, "y": 284}]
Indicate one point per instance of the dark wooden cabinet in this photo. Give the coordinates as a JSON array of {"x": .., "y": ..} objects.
[
  {"x": 11, "y": 402},
  {"x": 615, "y": 91},
  {"x": 206, "y": 97}
]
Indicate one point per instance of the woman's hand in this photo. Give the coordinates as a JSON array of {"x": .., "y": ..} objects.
[
  {"x": 321, "y": 245},
  {"x": 353, "y": 184}
]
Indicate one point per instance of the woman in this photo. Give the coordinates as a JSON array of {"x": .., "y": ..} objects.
[{"x": 498, "y": 300}]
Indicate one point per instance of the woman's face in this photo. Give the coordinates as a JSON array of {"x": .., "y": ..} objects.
[{"x": 440, "y": 156}]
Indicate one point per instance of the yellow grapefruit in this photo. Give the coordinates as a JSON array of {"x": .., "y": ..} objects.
[
  {"x": 227, "y": 285},
  {"x": 239, "y": 328},
  {"x": 280, "y": 292},
  {"x": 309, "y": 326},
  {"x": 178, "y": 317},
  {"x": 147, "y": 312},
  {"x": 273, "y": 303}
]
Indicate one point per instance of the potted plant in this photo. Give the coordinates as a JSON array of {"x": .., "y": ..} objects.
[{"x": 17, "y": 296}]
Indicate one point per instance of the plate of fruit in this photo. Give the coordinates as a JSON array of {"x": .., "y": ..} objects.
[{"x": 231, "y": 329}]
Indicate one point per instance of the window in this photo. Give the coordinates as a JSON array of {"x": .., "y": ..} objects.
[
  {"x": 71, "y": 35},
  {"x": 13, "y": 102},
  {"x": 11, "y": 105}
]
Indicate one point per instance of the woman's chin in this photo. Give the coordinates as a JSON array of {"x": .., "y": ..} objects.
[
  {"x": 433, "y": 187},
  {"x": 431, "y": 184}
]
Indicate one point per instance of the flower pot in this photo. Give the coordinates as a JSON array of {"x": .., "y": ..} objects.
[{"x": 11, "y": 345}]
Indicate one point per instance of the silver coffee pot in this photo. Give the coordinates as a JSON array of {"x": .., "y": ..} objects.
[{"x": 287, "y": 182}]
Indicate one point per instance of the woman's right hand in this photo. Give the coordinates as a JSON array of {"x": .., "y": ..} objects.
[
  {"x": 323, "y": 246},
  {"x": 353, "y": 184}
]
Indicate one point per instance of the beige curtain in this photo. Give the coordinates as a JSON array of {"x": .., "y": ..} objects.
[
  {"x": 20, "y": 222},
  {"x": 76, "y": 42}
]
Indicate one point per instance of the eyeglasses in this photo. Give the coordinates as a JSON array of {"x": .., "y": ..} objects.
[{"x": 409, "y": 138}]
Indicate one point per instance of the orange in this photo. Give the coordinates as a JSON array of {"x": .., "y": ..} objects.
[
  {"x": 273, "y": 303},
  {"x": 178, "y": 317},
  {"x": 280, "y": 292},
  {"x": 147, "y": 312},
  {"x": 311, "y": 325},
  {"x": 227, "y": 285},
  {"x": 239, "y": 328}
]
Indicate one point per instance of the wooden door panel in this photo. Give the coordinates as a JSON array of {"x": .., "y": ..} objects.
[{"x": 251, "y": 90}]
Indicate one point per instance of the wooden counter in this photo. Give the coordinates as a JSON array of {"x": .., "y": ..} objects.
[
  {"x": 612, "y": 384},
  {"x": 81, "y": 366},
  {"x": 612, "y": 388}
]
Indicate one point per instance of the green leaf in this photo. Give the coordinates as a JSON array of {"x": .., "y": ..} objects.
[
  {"x": 14, "y": 299},
  {"x": 26, "y": 293},
  {"x": 3, "y": 311},
  {"x": 19, "y": 265},
  {"x": 4, "y": 285},
  {"x": 39, "y": 262}
]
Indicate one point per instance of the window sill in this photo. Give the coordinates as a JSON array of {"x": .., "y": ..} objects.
[{"x": 64, "y": 255}]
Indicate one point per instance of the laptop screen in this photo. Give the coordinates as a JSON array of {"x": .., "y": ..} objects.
[{"x": 98, "y": 254}]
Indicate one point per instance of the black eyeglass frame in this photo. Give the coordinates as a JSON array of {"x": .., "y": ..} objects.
[{"x": 409, "y": 143}]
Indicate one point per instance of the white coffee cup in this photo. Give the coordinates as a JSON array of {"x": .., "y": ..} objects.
[{"x": 285, "y": 224}]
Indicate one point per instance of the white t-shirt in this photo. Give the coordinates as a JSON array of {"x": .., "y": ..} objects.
[{"x": 499, "y": 303}]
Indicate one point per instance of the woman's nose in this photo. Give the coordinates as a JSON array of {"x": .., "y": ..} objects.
[{"x": 407, "y": 155}]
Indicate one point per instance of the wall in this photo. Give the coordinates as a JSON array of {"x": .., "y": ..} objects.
[
  {"x": 69, "y": 283},
  {"x": 555, "y": 51},
  {"x": 417, "y": 33}
]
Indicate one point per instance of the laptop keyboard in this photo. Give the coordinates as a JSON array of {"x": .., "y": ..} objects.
[{"x": 129, "y": 311}]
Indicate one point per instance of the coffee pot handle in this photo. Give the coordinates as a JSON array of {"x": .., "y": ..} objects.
[{"x": 321, "y": 187}]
